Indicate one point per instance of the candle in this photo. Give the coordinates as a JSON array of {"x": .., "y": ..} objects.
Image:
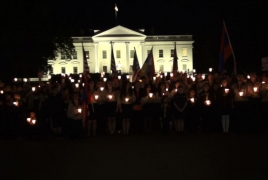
[
  {"x": 2, "y": 92},
  {"x": 83, "y": 84},
  {"x": 154, "y": 78},
  {"x": 96, "y": 97},
  {"x": 263, "y": 82},
  {"x": 248, "y": 76},
  {"x": 150, "y": 95},
  {"x": 104, "y": 79},
  {"x": 16, "y": 103},
  {"x": 72, "y": 80},
  {"x": 79, "y": 110},
  {"x": 101, "y": 88},
  {"x": 163, "y": 94},
  {"x": 119, "y": 77},
  {"x": 241, "y": 93},
  {"x": 28, "y": 120},
  {"x": 226, "y": 90},
  {"x": 193, "y": 78},
  {"x": 208, "y": 102},
  {"x": 79, "y": 81},
  {"x": 110, "y": 96},
  {"x": 126, "y": 99},
  {"x": 80, "y": 75},
  {"x": 176, "y": 90},
  {"x": 127, "y": 76},
  {"x": 210, "y": 69},
  {"x": 255, "y": 89},
  {"x": 25, "y": 79},
  {"x": 161, "y": 76},
  {"x": 166, "y": 89},
  {"x": 77, "y": 85},
  {"x": 33, "y": 88},
  {"x": 39, "y": 86},
  {"x": 140, "y": 80},
  {"x": 33, "y": 121},
  {"x": 133, "y": 87},
  {"x": 192, "y": 100},
  {"x": 203, "y": 76},
  {"x": 194, "y": 70},
  {"x": 171, "y": 74},
  {"x": 15, "y": 79}
]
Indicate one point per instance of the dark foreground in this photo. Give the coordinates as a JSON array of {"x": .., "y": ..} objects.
[{"x": 187, "y": 156}]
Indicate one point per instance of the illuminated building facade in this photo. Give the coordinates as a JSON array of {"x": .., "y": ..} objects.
[{"x": 124, "y": 40}]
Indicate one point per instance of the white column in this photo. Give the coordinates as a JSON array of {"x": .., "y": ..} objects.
[
  {"x": 97, "y": 65},
  {"x": 143, "y": 56},
  {"x": 127, "y": 58}
]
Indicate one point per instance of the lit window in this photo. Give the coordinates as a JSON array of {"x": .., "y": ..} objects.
[
  {"x": 75, "y": 55},
  {"x": 63, "y": 70},
  {"x": 161, "y": 68},
  {"x": 172, "y": 53},
  {"x": 75, "y": 70},
  {"x": 184, "y": 52},
  {"x": 184, "y": 67},
  {"x": 161, "y": 53},
  {"x": 87, "y": 54},
  {"x": 62, "y": 55},
  {"x": 104, "y": 69},
  {"x": 104, "y": 54},
  {"x": 132, "y": 53},
  {"x": 118, "y": 54}
]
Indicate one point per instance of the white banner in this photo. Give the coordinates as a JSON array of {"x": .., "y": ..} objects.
[{"x": 264, "y": 62}]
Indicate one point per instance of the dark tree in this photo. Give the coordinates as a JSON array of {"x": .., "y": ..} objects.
[{"x": 31, "y": 33}]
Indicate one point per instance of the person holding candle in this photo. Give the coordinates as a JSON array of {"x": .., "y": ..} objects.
[
  {"x": 75, "y": 114},
  {"x": 180, "y": 104},
  {"x": 206, "y": 107},
  {"x": 241, "y": 104},
  {"x": 101, "y": 117},
  {"x": 147, "y": 108},
  {"x": 127, "y": 98},
  {"x": 192, "y": 114},
  {"x": 264, "y": 104},
  {"x": 112, "y": 106},
  {"x": 255, "y": 102},
  {"x": 225, "y": 99},
  {"x": 56, "y": 111},
  {"x": 93, "y": 98}
]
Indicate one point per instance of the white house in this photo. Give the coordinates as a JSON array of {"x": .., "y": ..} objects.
[{"x": 124, "y": 40}]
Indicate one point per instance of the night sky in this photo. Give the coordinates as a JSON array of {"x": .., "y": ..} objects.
[{"x": 246, "y": 23}]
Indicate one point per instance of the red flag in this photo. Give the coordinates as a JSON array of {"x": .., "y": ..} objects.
[
  {"x": 175, "y": 62},
  {"x": 226, "y": 50}
]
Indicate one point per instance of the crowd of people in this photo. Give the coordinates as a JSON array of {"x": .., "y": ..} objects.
[{"x": 183, "y": 103}]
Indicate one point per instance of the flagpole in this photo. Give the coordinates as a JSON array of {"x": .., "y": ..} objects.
[{"x": 235, "y": 68}]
